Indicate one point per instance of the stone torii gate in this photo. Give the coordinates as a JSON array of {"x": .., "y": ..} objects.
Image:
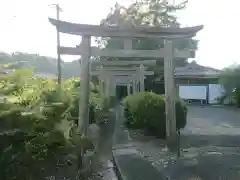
[
  {"x": 128, "y": 73},
  {"x": 127, "y": 33}
]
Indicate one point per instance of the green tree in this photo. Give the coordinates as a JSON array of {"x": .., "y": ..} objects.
[
  {"x": 230, "y": 80},
  {"x": 40, "y": 64},
  {"x": 147, "y": 12}
]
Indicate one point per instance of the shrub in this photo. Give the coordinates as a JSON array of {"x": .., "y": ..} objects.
[
  {"x": 30, "y": 146},
  {"x": 146, "y": 110},
  {"x": 32, "y": 133}
]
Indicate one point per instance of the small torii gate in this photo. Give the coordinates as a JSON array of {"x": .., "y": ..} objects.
[
  {"x": 127, "y": 33},
  {"x": 128, "y": 73}
]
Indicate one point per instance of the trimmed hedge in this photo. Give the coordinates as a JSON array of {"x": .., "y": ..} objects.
[{"x": 146, "y": 110}]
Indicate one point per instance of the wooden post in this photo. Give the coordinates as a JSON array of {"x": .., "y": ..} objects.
[
  {"x": 142, "y": 88},
  {"x": 177, "y": 90},
  {"x": 134, "y": 86},
  {"x": 58, "y": 53},
  {"x": 101, "y": 88},
  {"x": 129, "y": 89},
  {"x": 170, "y": 97},
  {"x": 128, "y": 45},
  {"x": 83, "y": 120},
  {"x": 138, "y": 86},
  {"x": 101, "y": 77},
  {"x": 59, "y": 69},
  {"x": 105, "y": 87},
  {"x": 113, "y": 87},
  {"x": 108, "y": 86}
]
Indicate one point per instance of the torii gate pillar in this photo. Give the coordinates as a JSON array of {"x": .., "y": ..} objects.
[
  {"x": 134, "y": 85},
  {"x": 129, "y": 89},
  {"x": 101, "y": 88},
  {"x": 142, "y": 88},
  {"x": 83, "y": 120},
  {"x": 170, "y": 95},
  {"x": 113, "y": 86}
]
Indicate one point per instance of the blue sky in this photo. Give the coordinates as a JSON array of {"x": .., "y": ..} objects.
[{"x": 25, "y": 26}]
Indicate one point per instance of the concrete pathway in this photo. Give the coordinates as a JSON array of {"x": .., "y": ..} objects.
[
  {"x": 105, "y": 149},
  {"x": 129, "y": 163}
]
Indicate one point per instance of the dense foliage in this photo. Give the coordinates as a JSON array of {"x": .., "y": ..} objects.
[
  {"x": 35, "y": 122},
  {"x": 230, "y": 80},
  {"x": 146, "y": 110}
]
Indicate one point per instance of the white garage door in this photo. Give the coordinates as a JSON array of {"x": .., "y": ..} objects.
[{"x": 193, "y": 92}]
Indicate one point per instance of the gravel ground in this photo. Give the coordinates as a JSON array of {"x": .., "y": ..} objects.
[{"x": 210, "y": 147}]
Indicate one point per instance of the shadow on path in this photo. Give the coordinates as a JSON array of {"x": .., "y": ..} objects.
[
  {"x": 105, "y": 149},
  {"x": 106, "y": 138}
]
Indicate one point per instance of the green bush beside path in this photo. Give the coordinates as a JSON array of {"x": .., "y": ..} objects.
[{"x": 146, "y": 110}]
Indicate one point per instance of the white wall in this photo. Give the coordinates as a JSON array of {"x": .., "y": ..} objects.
[{"x": 193, "y": 92}]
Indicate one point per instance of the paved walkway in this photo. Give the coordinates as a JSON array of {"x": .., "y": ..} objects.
[
  {"x": 121, "y": 136},
  {"x": 134, "y": 167},
  {"x": 130, "y": 164},
  {"x": 105, "y": 151}
]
